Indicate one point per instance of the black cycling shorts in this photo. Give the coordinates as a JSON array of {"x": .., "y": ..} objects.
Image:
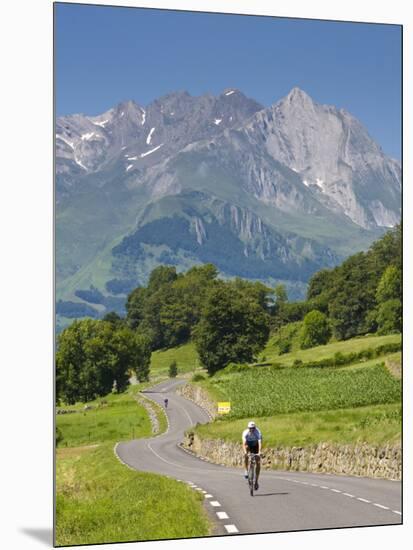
[{"x": 252, "y": 447}]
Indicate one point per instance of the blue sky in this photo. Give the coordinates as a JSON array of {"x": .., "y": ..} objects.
[{"x": 105, "y": 55}]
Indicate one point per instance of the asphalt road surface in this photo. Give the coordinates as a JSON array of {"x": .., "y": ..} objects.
[{"x": 285, "y": 501}]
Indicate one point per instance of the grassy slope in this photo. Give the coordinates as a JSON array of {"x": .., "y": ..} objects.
[
  {"x": 378, "y": 424},
  {"x": 100, "y": 500},
  {"x": 185, "y": 356},
  {"x": 121, "y": 418},
  {"x": 364, "y": 399},
  {"x": 321, "y": 352}
]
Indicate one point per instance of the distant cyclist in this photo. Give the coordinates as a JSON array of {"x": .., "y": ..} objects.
[
  {"x": 165, "y": 402},
  {"x": 252, "y": 441}
]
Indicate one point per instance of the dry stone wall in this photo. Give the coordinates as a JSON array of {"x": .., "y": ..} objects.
[
  {"x": 200, "y": 397},
  {"x": 357, "y": 460}
]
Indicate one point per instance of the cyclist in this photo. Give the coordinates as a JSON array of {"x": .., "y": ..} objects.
[
  {"x": 165, "y": 402},
  {"x": 252, "y": 441}
]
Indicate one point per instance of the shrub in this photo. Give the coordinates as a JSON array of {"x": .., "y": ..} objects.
[
  {"x": 173, "y": 369},
  {"x": 316, "y": 330},
  {"x": 197, "y": 377}
]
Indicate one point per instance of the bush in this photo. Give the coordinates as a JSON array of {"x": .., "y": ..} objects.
[
  {"x": 316, "y": 330},
  {"x": 173, "y": 370},
  {"x": 197, "y": 377},
  {"x": 298, "y": 363}
]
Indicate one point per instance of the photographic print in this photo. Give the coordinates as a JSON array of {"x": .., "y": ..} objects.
[{"x": 228, "y": 274}]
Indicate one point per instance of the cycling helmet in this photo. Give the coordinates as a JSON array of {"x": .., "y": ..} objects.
[{"x": 251, "y": 424}]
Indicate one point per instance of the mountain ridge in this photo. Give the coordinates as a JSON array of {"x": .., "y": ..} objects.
[{"x": 298, "y": 171}]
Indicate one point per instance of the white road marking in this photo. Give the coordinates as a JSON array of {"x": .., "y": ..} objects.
[
  {"x": 163, "y": 459},
  {"x": 396, "y": 512},
  {"x": 336, "y": 491},
  {"x": 231, "y": 528},
  {"x": 381, "y": 506},
  {"x": 364, "y": 500},
  {"x": 222, "y": 515},
  {"x": 208, "y": 496},
  {"x": 214, "y": 503},
  {"x": 324, "y": 487},
  {"x": 349, "y": 495}
]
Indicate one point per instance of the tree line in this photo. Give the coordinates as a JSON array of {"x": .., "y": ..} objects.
[{"x": 229, "y": 320}]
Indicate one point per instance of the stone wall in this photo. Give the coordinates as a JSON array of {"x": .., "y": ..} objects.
[
  {"x": 200, "y": 397},
  {"x": 357, "y": 460}
]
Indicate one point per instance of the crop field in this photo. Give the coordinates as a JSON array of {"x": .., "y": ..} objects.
[{"x": 264, "y": 391}]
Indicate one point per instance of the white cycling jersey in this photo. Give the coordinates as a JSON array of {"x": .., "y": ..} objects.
[{"x": 251, "y": 436}]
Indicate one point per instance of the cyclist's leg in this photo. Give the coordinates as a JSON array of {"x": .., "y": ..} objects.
[{"x": 246, "y": 458}]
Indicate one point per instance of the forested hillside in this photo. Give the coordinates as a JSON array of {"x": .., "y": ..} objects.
[{"x": 230, "y": 320}]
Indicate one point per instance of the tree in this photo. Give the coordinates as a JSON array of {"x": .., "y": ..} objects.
[
  {"x": 83, "y": 361},
  {"x": 233, "y": 328},
  {"x": 93, "y": 357},
  {"x": 316, "y": 330},
  {"x": 135, "y": 306},
  {"x": 173, "y": 370},
  {"x": 389, "y": 316},
  {"x": 142, "y": 357},
  {"x": 389, "y": 287},
  {"x": 112, "y": 317}
]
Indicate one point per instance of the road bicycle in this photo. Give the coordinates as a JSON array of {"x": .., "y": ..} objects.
[{"x": 252, "y": 471}]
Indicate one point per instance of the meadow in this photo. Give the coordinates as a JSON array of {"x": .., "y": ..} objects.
[{"x": 98, "y": 499}]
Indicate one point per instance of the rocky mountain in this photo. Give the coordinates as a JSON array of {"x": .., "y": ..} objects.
[{"x": 268, "y": 193}]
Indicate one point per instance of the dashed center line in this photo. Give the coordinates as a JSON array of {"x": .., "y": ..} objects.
[
  {"x": 231, "y": 528},
  {"x": 214, "y": 503},
  {"x": 222, "y": 515},
  {"x": 381, "y": 506},
  {"x": 342, "y": 493}
]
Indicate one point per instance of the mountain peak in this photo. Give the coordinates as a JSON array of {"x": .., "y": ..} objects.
[{"x": 298, "y": 95}]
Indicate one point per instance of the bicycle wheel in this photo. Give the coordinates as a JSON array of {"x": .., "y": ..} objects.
[{"x": 251, "y": 476}]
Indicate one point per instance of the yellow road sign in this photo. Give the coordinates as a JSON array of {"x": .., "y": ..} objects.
[{"x": 224, "y": 407}]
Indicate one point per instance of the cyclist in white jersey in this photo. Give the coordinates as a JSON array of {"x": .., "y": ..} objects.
[{"x": 252, "y": 441}]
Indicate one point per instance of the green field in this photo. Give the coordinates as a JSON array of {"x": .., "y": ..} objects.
[
  {"x": 185, "y": 356},
  {"x": 270, "y": 352},
  {"x": 101, "y": 501},
  {"x": 376, "y": 425},
  {"x": 264, "y": 391},
  {"x": 304, "y": 406},
  {"x": 120, "y": 417}
]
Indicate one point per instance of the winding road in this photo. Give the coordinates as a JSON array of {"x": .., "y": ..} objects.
[{"x": 285, "y": 501}]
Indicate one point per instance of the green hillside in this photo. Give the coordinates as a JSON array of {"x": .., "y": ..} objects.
[{"x": 301, "y": 406}]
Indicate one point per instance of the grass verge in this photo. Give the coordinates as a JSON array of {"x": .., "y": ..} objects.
[{"x": 99, "y": 500}]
